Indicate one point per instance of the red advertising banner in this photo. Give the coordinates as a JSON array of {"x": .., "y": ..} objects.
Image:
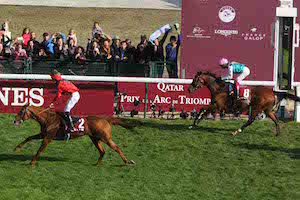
[
  {"x": 164, "y": 95},
  {"x": 238, "y": 30},
  {"x": 95, "y": 98}
]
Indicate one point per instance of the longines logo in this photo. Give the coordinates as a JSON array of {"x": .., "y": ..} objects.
[
  {"x": 22, "y": 96},
  {"x": 227, "y": 32}
]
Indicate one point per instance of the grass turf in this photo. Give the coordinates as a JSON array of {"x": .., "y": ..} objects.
[{"x": 172, "y": 162}]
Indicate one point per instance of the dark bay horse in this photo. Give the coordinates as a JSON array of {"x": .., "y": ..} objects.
[
  {"x": 262, "y": 99},
  {"x": 52, "y": 128}
]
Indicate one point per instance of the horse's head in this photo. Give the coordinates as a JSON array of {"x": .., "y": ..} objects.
[
  {"x": 23, "y": 115},
  {"x": 200, "y": 80}
]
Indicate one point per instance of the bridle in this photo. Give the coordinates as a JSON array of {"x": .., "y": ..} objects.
[
  {"x": 24, "y": 113},
  {"x": 199, "y": 83}
]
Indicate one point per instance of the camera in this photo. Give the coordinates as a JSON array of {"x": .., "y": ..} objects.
[
  {"x": 153, "y": 108},
  {"x": 160, "y": 112},
  {"x": 193, "y": 113},
  {"x": 134, "y": 111},
  {"x": 183, "y": 114}
]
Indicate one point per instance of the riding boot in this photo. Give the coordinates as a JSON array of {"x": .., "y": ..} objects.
[
  {"x": 69, "y": 120},
  {"x": 237, "y": 84}
]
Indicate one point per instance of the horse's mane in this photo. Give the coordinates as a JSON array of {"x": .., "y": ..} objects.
[{"x": 207, "y": 73}]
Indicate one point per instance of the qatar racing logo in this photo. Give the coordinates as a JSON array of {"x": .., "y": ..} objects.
[
  {"x": 227, "y": 14},
  {"x": 198, "y": 33},
  {"x": 253, "y": 35},
  {"x": 169, "y": 87}
]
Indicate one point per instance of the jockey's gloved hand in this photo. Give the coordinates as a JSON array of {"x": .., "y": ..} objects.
[
  {"x": 51, "y": 105},
  {"x": 219, "y": 79}
]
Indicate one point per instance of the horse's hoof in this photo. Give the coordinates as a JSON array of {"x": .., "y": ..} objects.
[
  {"x": 30, "y": 164},
  {"x": 236, "y": 132},
  {"x": 16, "y": 149},
  {"x": 131, "y": 162},
  {"x": 190, "y": 127}
]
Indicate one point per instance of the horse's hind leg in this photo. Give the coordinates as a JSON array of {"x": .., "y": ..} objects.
[
  {"x": 275, "y": 120},
  {"x": 118, "y": 150},
  {"x": 100, "y": 148},
  {"x": 33, "y": 137}
]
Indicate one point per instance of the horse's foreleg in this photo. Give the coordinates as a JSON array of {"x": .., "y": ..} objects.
[
  {"x": 196, "y": 120},
  {"x": 100, "y": 148},
  {"x": 206, "y": 111},
  {"x": 33, "y": 137},
  {"x": 44, "y": 144},
  {"x": 248, "y": 123},
  {"x": 275, "y": 120}
]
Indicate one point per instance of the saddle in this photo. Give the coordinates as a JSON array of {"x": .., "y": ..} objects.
[
  {"x": 75, "y": 120},
  {"x": 78, "y": 124}
]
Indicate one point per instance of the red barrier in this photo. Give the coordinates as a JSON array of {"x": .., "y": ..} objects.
[
  {"x": 95, "y": 98},
  {"x": 164, "y": 95}
]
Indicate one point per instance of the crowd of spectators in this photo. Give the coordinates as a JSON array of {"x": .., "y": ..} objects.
[{"x": 101, "y": 47}]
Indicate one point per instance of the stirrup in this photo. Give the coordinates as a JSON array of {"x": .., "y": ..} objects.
[{"x": 73, "y": 130}]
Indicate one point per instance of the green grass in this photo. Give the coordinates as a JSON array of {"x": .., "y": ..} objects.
[{"x": 172, "y": 162}]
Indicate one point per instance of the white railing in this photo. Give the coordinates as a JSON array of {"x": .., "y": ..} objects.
[{"x": 123, "y": 79}]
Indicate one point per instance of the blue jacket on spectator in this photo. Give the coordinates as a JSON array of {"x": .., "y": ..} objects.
[
  {"x": 172, "y": 53},
  {"x": 50, "y": 45}
]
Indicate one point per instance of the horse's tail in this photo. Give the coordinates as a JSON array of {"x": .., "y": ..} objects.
[
  {"x": 293, "y": 97},
  {"x": 285, "y": 95},
  {"x": 115, "y": 121}
]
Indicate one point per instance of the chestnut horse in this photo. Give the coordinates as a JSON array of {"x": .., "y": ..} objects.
[
  {"x": 262, "y": 99},
  {"x": 52, "y": 128}
]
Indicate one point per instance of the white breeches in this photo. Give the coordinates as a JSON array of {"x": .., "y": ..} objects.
[
  {"x": 72, "y": 101},
  {"x": 243, "y": 75}
]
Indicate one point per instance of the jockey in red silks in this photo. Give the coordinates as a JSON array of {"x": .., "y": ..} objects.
[
  {"x": 64, "y": 86},
  {"x": 234, "y": 68}
]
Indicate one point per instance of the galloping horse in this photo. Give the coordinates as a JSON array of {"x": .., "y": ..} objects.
[
  {"x": 262, "y": 99},
  {"x": 53, "y": 128}
]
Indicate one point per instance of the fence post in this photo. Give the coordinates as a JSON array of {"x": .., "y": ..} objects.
[
  {"x": 297, "y": 106},
  {"x": 183, "y": 73},
  {"x": 282, "y": 108},
  {"x": 146, "y": 91}
]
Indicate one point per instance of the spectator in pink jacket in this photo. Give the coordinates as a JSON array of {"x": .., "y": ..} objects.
[
  {"x": 26, "y": 36},
  {"x": 72, "y": 35},
  {"x": 20, "y": 52}
]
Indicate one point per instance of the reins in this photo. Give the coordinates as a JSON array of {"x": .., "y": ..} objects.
[{"x": 44, "y": 110}]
